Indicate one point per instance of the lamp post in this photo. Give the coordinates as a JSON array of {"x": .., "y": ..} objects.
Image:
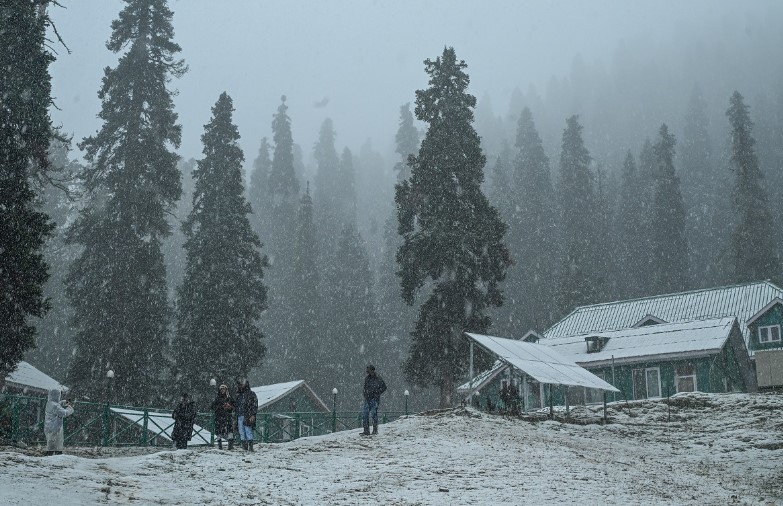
[
  {"x": 110, "y": 380},
  {"x": 406, "y": 394},
  {"x": 334, "y": 409},
  {"x": 212, "y": 382}
]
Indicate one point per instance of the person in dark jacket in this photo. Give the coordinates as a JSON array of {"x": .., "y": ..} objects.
[
  {"x": 247, "y": 409},
  {"x": 223, "y": 407},
  {"x": 374, "y": 386},
  {"x": 184, "y": 415}
]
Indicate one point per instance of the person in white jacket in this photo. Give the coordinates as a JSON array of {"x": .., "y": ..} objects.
[{"x": 53, "y": 423}]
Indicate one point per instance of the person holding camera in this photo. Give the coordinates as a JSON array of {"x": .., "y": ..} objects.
[
  {"x": 56, "y": 410},
  {"x": 223, "y": 407}
]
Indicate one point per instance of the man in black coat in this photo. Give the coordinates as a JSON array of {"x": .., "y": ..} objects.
[
  {"x": 374, "y": 386},
  {"x": 247, "y": 409},
  {"x": 223, "y": 407},
  {"x": 184, "y": 415}
]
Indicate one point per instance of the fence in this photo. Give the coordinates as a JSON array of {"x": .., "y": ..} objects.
[{"x": 93, "y": 424}]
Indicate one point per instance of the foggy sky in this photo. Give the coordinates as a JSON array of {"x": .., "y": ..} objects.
[{"x": 366, "y": 57}]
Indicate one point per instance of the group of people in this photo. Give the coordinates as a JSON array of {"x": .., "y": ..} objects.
[{"x": 232, "y": 414}]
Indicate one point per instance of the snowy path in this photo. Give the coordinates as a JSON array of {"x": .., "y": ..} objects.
[{"x": 716, "y": 450}]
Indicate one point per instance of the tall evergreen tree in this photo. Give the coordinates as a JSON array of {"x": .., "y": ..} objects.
[
  {"x": 304, "y": 332},
  {"x": 701, "y": 187},
  {"x": 578, "y": 281},
  {"x": 222, "y": 295},
  {"x": 452, "y": 235},
  {"x": 283, "y": 195},
  {"x": 532, "y": 233},
  {"x": 407, "y": 142},
  {"x": 631, "y": 249},
  {"x": 753, "y": 241},
  {"x": 347, "y": 184},
  {"x": 669, "y": 249},
  {"x": 118, "y": 284},
  {"x": 258, "y": 191},
  {"x": 395, "y": 317},
  {"x": 351, "y": 329},
  {"x": 25, "y": 132}
]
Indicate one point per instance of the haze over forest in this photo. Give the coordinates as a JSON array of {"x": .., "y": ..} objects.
[{"x": 625, "y": 69}]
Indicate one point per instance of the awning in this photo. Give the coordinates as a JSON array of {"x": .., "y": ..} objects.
[{"x": 540, "y": 362}]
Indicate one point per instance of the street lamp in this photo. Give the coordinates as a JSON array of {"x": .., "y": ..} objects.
[
  {"x": 212, "y": 382},
  {"x": 109, "y": 379},
  {"x": 334, "y": 409},
  {"x": 406, "y": 394}
]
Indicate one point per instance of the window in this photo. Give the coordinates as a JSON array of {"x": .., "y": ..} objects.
[
  {"x": 685, "y": 378},
  {"x": 769, "y": 334},
  {"x": 646, "y": 383}
]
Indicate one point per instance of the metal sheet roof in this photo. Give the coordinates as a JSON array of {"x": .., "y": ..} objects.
[
  {"x": 699, "y": 338},
  {"x": 540, "y": 362},
  {"x": 740, "y": 301},
  {"x": 28, "y": 376},
  {"x": 267, "y": 394}
]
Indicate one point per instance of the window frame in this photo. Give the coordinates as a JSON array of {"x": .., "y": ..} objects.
[
  {"x": 645, "y": 371},
  {"x": 769, "y": 329},
  {"x": 678, "y": 377}
]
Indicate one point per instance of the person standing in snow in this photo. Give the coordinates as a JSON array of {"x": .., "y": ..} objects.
[
  {"x": 374, "y": 386},
  {"x": 247, "y": 409},
  {"x": 53, "y": 422},
  {"x": 223, "y": 407},
  {"x": 184, "y": 415}
]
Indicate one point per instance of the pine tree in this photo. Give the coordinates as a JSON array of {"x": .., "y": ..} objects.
[
  {"x": 223, "y": 295},
  {"x": 118, "y": 285},
  {"x": 631, "y": 257},
  {"x": 701, "y": 190},
  {"x": 347, "y": 185},
  {"x": 532, "y": 233},
  {"x": 283, "y": 195},
  {"x": 754, "y": 238},
  {"x": 25, "y": 132},
  {"x": 452, "y": 235},
  {"x": 304, "y": 332},
  {"x": 669, "y": 249},
  {"x": 395, "y": 317},
  {"x": 351, "y": 337},
  {"x": 578, "y": 284},
  {"x": 407, "y": 142},
  {"x": 258, "y": 191}
]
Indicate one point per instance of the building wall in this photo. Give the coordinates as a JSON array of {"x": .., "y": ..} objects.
[
  {"x": 772, "y": 317},
  {"x": 769, "y": 367}
]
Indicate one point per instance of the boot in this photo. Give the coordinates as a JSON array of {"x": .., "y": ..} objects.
[
  {"x": 244, "y": 444},
  {"x": 220, "y": 444},
  {"x": 250, "y": 446},
  {"x": 375, "y": 429},
  {"x": 366, "y": 430},
  {"x": 230, "y": 444},
  {"x": 49, "y": 453},
  {"x": 58, "y": 453}
]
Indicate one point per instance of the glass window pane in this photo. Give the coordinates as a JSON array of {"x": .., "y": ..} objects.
[
  {"x": 653, "y": 388},
  {"x": 639, "y": 384},
  {"x": 775, "y": 334}
]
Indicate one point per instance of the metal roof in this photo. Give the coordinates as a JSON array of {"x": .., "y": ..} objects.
[
  {"x": 698, "y": 338},
  {"x": 268, "y": 394},
  {"x": 540, "y": 362},
  {"x": 27, "y": 376},
  {"x": 741, "y": 301}
]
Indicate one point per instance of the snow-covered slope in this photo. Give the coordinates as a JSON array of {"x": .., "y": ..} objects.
[{"x": 717, "y": 449}]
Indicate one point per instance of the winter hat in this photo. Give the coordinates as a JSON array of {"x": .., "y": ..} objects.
[{"x": 223, "y": 386}]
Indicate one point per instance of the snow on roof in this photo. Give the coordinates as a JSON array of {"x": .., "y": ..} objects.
[
  {"x": 483, "y": 378},
  {"x": 741, "y": 301},
  {"x": 27, "y": 376},
  {"x": 541, "y": 362},
  {"x": 162, "y": 424},
  {"x": 697, "y": 338},
  {"x": 268, "y": 394}
]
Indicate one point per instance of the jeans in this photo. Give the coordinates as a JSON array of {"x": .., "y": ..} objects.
[
  {"x": 245, "y": 431},
  {"x": 370, "y": 409}
]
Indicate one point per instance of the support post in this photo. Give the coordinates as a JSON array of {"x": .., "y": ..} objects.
[
  {"x": 212, "y": 429},
  {"x": 524, "y": 393},
  {"x": 106, "y": 422},
  {"x": 470, "y": 396},
  {"x": 614, "y": 382},
  {"x": 551, "y": 403},
  {"x": 604, "y": 406},
  {"x": 565, "y": 397},
  {"x": 145, "y": 427}
]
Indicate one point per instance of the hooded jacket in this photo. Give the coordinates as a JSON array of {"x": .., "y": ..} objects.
[{"x": 55, "y": 413}]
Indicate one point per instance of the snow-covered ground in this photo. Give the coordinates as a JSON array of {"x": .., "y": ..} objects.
[{"x": 717, "y": 449}]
